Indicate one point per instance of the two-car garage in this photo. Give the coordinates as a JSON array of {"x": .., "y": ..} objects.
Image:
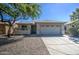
[{"x": 50, "y": 29}]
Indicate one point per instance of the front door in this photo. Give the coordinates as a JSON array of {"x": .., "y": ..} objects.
[{"x": 33, "y": 29}]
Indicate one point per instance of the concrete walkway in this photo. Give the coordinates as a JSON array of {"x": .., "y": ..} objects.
[{"x": 61, "y": 46}]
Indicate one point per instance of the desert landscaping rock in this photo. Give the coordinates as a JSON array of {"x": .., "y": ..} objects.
[{"x": 25, "y": 46}]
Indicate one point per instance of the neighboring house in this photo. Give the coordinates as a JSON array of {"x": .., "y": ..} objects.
[
  {"x": 69, "y": 24},
  {"x": 41, "y": 28},
  {"x": 4, "y": 28}
]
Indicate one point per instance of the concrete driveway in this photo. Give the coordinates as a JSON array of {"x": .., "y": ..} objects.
[{"x": 61, "y": 46}]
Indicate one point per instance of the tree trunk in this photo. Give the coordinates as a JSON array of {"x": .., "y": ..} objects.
[
  {"x": 13, "y": 28},
  {"x": 9, "y": 31},
  {"x": 10, "y": 26}
]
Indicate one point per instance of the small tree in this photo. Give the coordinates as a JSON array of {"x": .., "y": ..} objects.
[
  {"x": 74, "y": 26},
  {"x": 16, "y": 11}
]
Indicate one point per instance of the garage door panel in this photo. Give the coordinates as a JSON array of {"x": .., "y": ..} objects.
[{"x": 50, "y": 30}]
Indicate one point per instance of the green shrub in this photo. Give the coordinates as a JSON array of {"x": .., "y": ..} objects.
[
  {"x": 78, "y": 31},
  {"x": 73, "y": 31}
]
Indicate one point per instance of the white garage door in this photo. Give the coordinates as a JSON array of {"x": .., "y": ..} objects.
[{"x": 50, "y": 29}]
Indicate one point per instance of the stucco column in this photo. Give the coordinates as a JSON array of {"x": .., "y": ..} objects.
[
  {"x": 38, "y": 29},
  {"x": 29, "y": 29},
  {"x": 62, "y": 29}
]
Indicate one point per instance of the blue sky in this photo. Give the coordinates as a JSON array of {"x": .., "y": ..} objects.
[{"x": 56, "y": 11}]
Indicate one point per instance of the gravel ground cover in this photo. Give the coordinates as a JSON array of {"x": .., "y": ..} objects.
[{"x": 22, "y": 46}]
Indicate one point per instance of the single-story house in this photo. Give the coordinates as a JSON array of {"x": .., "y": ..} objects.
[{"x": 40, "y": 28}]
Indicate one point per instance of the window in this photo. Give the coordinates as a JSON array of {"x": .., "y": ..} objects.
[
  {"x": 47, "y": 25},
  {"x": 42, "y": 25},
  {"x": 23, "y": 27},
  {"x": 52, "y": 25},
  {"x": 57, "y": 25}
]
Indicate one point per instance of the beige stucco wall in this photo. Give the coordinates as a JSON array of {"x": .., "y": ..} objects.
[
  {"x": 7, "y": 28},
  {"x": 38, "y": 29},
  {"x": 17, "y": 31},
  {"x": 62, "y": 29}
]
